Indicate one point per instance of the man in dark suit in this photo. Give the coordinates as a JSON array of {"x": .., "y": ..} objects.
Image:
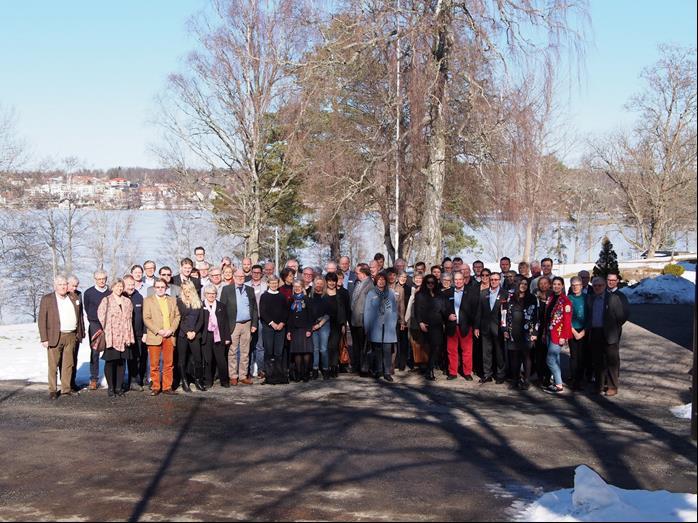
[
  {"x": 491, "y": 331},
  {"x": 185, "y": 268},
  {"x": 463, "y": 313},
  {"x": 605, "y": 314},
  {"x": 243, "y": 317},
  {"x": 138, "y": 364},
  {"x": 60, "y": 326}
]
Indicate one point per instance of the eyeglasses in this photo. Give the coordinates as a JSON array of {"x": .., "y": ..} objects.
[
  {"x": 494, "y": 279},
  {"x": 160, "y": 287},
  {"x": 165, "y": 274}
]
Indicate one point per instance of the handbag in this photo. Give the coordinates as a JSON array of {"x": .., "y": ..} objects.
[
  {"x": 98, "y": 341},
  {"x": 344, "y": 358}
]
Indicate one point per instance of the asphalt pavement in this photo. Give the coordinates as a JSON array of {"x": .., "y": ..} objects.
[{"x": 348, "y": 449}]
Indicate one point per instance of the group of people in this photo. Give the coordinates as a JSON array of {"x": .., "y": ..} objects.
[{"x": 233, "y": 325}]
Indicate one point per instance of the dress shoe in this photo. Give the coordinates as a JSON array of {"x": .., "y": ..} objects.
[
  {"x": 225, "y": 385},
  {"x": 246, "y": 381},
  {"x": 485, "y": 380},
  {"x": 170, "y": 392},
  {"x": 234, "y": 381},
  {"x": 261, "y": 375},
  {"x": 430, "y": 375},
  {"x": 388, "y": 377},
  {"x": 93, "y": 385},
  {"x": 199, "y": 386},
  {"x": 469, "y": 377},
  {"x": 316, "y": 374},
  {"x": 499, "y": 381},
  {"x": 110, "y": 393},
  {"x": 611, "y": 392},
  {"x": 155, "y": 392},
  {"x": 452, "y": 377},
  {"x": 52, "y": 395}
]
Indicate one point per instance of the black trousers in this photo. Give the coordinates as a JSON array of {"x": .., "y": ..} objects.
[
  {"x": 493, "y": 363},
  {"x": 519, "y": 353},
  {"x": 403, "y": 349},
  {"x": 114, "y": 372},
  {"x": 580, "y": 360},
  {"x": 540, "y": 355},
  {"x": 215, "y": 359},
  {"x": 382, "y": 358},
  {"x": 606, "y": 357},
  {"x": 275, "y": 367},
  {"x": 333, "y": 344},
  {"x": 357, "y": 349},
  {"x": 73, "y": 385},
  {"x": 435, "y": 337},
  {"x": 138, "y": 364},
  {"x": 477, "y": 356},
  {"x": 189, "y": 353},
  {"x": 94, "y": 355}
]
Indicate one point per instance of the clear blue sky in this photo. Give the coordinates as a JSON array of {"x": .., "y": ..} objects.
[{"x": 82, "y": 75}]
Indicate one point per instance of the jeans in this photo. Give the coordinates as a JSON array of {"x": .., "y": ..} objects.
[
  {"x": 320, "y": 339},
  {"x": 257, "y": 352},
  {"x": 553, "y": 361}
]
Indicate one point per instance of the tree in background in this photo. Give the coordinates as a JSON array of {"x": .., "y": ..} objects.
[
  {"x": 608, "y": 260},
  {"x": 653, "y": 167},
  {"x": 238, "y": 90}
]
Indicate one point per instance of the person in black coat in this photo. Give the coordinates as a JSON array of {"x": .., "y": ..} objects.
[
  {"x": 429, "y": 309},
  {"x": 215, "y": 338},
  {"x": 189, "y": 336},
  {"x": 300, "y": 325},
  {"x": 335, "y": 305},
  {"x": 490, "y": 330},
  {"x": 459, "y": 324},
  {"x": 345, "y": 297},
  {"x": 186, "y": 267},
  {"x": 605, "y": 314},
  {"x": 274, "y": 309},
  {"x": 138, "y": 364},
  {"x": 91, "y": 300}
]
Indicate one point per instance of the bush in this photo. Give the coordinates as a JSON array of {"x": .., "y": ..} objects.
[{"x": 673, "y": 269}]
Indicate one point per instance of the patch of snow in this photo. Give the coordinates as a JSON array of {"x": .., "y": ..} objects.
[
  {"x": 23, "y": 357},
  {"x": 662, "y": 289},
  {"x": 683, "y": 412},
  {"x": 592, "y": 499}
]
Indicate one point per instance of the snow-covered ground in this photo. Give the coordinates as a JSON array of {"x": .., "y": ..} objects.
[
  {"x": 662, "y": 289},
  {"x": 592, "y": 499},
  {"x": 23, "y": 357},
  {"x": 683, "y": 412}
]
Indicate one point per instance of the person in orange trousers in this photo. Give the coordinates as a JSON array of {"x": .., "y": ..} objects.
[{"x": 161, "y": 319}]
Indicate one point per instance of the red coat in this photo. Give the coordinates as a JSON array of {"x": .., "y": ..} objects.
[{"x": 560, "y": 319}]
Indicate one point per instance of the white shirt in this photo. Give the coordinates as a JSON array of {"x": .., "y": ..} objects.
[{"x": 66, "y": 313}]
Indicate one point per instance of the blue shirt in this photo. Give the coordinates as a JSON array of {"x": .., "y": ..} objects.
[
  {"x": 493, "y": 297},
  {"x": 243, "y": 305},
  {"x": 597, "y": 311},
  {"x": 457, "y": 299}
]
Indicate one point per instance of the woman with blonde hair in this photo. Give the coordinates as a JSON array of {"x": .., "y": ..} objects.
[
  {"x": 189, "y": 337},
  {"x": 115, "y": 314}
]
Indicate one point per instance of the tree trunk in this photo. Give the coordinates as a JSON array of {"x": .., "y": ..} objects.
[
  {"x": 528, "y": 242},
  {"x": 430, "y": 248}
]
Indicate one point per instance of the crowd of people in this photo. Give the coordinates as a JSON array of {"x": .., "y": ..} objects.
[{"x": 243, "y": 325}]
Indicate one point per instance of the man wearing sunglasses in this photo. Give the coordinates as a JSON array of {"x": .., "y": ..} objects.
[{"x": 166, "y": 276}]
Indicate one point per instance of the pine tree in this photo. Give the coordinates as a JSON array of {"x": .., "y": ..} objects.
[{"x": 608, "y": 260}]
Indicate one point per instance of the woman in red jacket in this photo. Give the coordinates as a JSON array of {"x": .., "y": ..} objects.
[{"x": 558, "y": 329}]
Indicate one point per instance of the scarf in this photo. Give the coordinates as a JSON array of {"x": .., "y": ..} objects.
[
  {"x": 384, "y": 300},
  {"x": 298, "y": 302},
  {"x": 213, "y": 322}
]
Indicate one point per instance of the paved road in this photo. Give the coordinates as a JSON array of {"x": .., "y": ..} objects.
[
  {"x": 673, "y": 322},
  {"x": 352, "y": 449}
]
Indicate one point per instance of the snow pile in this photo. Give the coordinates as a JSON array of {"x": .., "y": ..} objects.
[
  {"x": 683, "y": 412},
  {"x": 662, "y": 289},
  {"x": 592, "y": 499},
  {"x": 23, "y": 357}
]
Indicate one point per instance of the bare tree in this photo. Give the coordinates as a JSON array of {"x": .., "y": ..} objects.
[
  {"x": 12, "y": 147},
  {"x": 224, "y": 112},
  {"x": 653, "y": 166},
  {"x": 111, "y": 244}
]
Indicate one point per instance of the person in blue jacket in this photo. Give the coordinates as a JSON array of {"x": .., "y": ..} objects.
[{"x": 380, "y": 318}]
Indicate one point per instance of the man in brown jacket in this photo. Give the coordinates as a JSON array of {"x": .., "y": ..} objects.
[
  {"x": 60, "y": 327},
  {"x": 161, "y": 319}
]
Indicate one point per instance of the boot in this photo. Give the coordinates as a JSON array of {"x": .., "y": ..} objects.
[
  {"x": 199, "y": 379},
  {"x": 316, "y": 374},
  {"x": 185, "y": 385}
]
